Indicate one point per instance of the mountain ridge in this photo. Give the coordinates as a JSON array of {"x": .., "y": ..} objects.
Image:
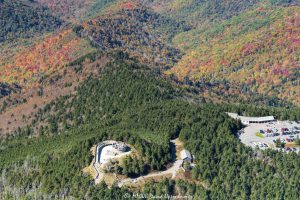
[
  {"x": 54, "y": 149},
  {"x": 191, "y": 50}
]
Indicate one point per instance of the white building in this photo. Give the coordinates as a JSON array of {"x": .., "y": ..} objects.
[
  {"x": 252, "y": 120},
  {"x": 186, "y": 155}
]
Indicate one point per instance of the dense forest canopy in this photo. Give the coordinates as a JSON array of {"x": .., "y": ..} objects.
[
  {"x": 198, "y": 11},
  {"x": 24, "y": 19},
  {"x": 171, "y": 69},
  {"x": 254, "y": 51},
  {"x": 226, "y": 50},
  {"x": 6, "y": 89},
  {"x": 138, "y": 31},
  {"x": 76, "y": 10},
  {"x": 129, "y": 102}
]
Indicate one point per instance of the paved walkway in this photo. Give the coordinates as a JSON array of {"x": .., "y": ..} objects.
[{"x": 99, "y": 174}]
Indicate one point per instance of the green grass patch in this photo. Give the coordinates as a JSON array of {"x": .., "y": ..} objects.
[{"x": 259, "y": 135}]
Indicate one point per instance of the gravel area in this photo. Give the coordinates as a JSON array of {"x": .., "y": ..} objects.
[{"x": 109, "y": 153}]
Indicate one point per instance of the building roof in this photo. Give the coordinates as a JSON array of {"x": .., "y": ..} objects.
[
  {"x": 256, "y": 119},
  {"x": 233, "y": 115},
  {"x": 185, "y": 154}
]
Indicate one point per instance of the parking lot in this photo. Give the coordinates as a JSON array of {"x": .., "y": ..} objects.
[{"x": 263, "y": 135}]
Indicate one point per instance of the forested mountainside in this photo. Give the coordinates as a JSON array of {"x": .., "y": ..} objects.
[
  {"x": 257, "y": 50},
  {"x": 36, "y": 62},
  {"x": 138, "y": 31},
  {"x": 244, "y": 55},
  {"x": 224, "y": 50},
  {"x": 108, "y": 106},
  {"x": 66, "y": 9},
  {"x": 252, "y": 45},
  {"x": 201, "y": 11},
  {"x": 145, "y": 72},
  {"x": 6, "y": 89},
  {"x": 76, "y": 10},
  {"x": 24, "y": 19}
]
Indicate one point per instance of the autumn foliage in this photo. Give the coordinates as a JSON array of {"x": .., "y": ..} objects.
[
  {"x": 44, "y": 58},
  {"x": 258, "y": 50}
]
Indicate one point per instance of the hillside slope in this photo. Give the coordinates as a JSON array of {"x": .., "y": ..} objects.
[
  {"x": 136, "y": 30},
  {"x": 108, "y": 107},
  {"x": 249, "y": 48},
  {"x": 24, "y": 19},
  {"x": 202, "y": 11},
  {"x": 225, "y": 50},
  {"x": 257, "y": 50},
  {"x": 139, "y": 31},
  {"x": 76, "y": 10},
  {"x": 6, "y": 89},
  {"x": 101, "y": 79},
  {"x": 43, "y": 58}
]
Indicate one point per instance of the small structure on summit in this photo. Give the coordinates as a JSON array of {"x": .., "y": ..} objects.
[
  {"x": 187, "y": 160},
  {"x": 186, "y": 156}
]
